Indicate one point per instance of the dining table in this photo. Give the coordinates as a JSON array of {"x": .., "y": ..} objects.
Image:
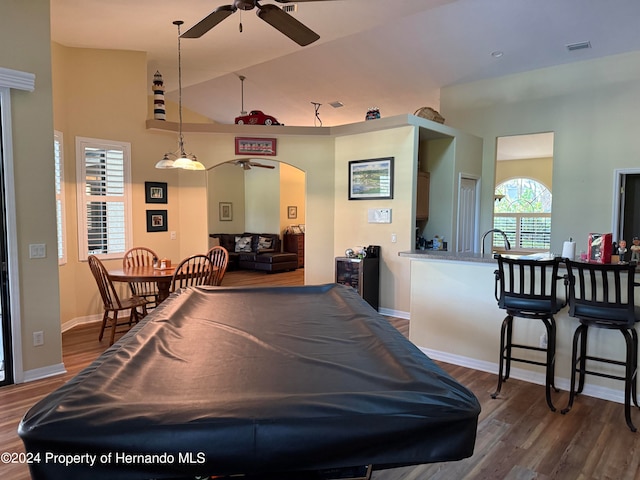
[{"x": 146, "y": 273}]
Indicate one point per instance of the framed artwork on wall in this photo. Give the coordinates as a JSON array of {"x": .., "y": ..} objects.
[
  {"x": 155, "y": 192},
  {"x": 292, "y": 212},
  {"x": 255, "y": 146},
  {"x": 369, "y": 179},
  {"x": 157, "y": 221},
  {"x": 225, "y": 211}
]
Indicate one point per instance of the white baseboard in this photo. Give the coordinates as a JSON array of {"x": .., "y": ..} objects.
[
  {"x": 524, "y": 375},
  {"x": 393, "y": 313},
  {"x": 44, "y": 372},
  {"x": 81, "y": 321}
]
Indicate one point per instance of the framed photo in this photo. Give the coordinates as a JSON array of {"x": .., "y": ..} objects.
[
  {"x": 292, "y": 212},
  {"x": 226, "y": 211},
  {"x": 255, "y": 146},
  {"x": 157, "y": 221},
  {"x": 155, "y": 192},
  {"x": 369, "y": 179}
]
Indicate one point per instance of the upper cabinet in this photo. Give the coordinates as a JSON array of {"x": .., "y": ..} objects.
[{"x": 422, "y": 198}]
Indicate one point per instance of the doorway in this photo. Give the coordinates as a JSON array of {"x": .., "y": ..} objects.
[
  {"x": 6, "y": 359},
  {"x": 626, "y": 223}
]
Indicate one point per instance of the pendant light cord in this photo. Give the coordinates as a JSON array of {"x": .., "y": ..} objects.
[{"x": 180, "y": 137}]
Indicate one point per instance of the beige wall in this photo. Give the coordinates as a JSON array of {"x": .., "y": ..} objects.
[
  {"x": 25, "y": 46},
  {"x": 292, "y": 193},
  {"x": 540, "y": 169},
  {"x": 262, "y": 199},
  {"x": 225, "y": 183},
  {"x": 351, "y": 221}
]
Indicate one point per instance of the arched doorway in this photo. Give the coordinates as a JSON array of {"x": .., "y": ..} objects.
[{"x": 255, "y": 199}]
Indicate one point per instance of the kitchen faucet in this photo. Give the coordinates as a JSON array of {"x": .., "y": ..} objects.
[{"x": 507, "y": 245}]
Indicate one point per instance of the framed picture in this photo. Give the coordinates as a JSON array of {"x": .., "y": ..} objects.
[
  {"x": 255, "y": 146},
  {"x": 226, "y": 211},
  {"x": 157, "y": 221},
  {"x": 369, "y": 179},
  {"x": 292, "y": 212},
  {"x": 155, "y": 192}
]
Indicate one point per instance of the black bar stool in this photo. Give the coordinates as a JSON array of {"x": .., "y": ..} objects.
[
  {"x": 602, "y": 296},
  {"x": 527, "y": 288}
]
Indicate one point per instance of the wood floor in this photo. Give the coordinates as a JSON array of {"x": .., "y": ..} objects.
[{"x": 518, "y": 437}]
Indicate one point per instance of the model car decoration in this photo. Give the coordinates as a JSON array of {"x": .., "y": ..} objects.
[{"x": 256, "y": 117}]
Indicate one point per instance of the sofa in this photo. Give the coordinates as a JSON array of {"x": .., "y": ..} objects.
[{"x": 255, "y": 251}]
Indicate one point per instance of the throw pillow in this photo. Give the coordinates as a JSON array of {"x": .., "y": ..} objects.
[
  {"x": 214, "y": 242},
  {"x": 243, "y": 244},
  {"x": 264, "y": 243}
]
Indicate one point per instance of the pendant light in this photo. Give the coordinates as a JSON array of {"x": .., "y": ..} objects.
[{"x": 186, "y": 161}]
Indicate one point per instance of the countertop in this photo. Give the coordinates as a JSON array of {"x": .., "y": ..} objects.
[{"x": 461, "y": 257}]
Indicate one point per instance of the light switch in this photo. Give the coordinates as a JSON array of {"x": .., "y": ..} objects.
[{"x": 37, "y": 250}]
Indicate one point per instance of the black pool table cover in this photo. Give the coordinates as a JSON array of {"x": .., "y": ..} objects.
[{"x": 252, "y": 380}]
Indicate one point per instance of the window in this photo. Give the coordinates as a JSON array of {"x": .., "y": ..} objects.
[
  {"x": 58, "y": 155},
  {"x": 104, "y": 193},
  {"x": 522, "y": 210}
]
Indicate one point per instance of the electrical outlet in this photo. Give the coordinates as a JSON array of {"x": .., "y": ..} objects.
[
  {"x": 38, "y": 338},
  {"x": 173, "y": 235}
]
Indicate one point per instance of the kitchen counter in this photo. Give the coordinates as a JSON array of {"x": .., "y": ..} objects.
[
  {"x": 466, "y": 256},
  {"x": 454, "y": 318}
]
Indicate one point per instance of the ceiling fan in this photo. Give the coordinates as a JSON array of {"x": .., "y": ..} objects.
[
  {"x": 247, "y": 163},
  {"x": 272, "y": 14}
]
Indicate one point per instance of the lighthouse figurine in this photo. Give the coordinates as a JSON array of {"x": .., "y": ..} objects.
[{"x": 159, "y": 112}]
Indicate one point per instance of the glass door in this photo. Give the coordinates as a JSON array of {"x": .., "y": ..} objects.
[{"x": 6, "y": 364}]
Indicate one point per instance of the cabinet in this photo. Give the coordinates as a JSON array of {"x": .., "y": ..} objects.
[
  {"x": 294, "y": 243},
  {"x": 363, "y": 274},
  {"x": 422, "y": 197}
]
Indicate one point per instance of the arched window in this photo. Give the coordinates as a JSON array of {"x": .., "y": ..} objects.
[{"x": 522, "y": 209}]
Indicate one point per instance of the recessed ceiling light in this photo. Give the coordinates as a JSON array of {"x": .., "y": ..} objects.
[
  {"x": 337, "y": 104},
  {"x": 578, "y": 46},
  {"x": 497, "y": 54}
]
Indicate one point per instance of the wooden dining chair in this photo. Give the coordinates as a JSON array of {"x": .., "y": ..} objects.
[
  {"x": 192, "y": 271},
  {"x": 112, "y": 303},
  {"x": 138, "y": 257},
  {"x": 219, "y": 256}
]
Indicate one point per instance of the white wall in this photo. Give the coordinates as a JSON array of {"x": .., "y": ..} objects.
[{"x": 592, "y": 108}]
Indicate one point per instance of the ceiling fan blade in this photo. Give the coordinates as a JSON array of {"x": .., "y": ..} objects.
[
  {"x": 288, "y": 25},
  {"x": 210, "y": 21},
  {"x": 253, "y": 164}
]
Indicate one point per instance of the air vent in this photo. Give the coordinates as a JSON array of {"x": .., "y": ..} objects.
[
  {"x": 290, "y": 8},
  {"x": 578, "y": 46}
]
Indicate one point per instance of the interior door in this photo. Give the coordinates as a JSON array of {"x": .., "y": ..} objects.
[{"x": 467, "y": 215}]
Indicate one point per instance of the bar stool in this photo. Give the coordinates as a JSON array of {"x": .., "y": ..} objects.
[
  {"x": 527, "y": 288},
  {"x": 602, "y": 296}
]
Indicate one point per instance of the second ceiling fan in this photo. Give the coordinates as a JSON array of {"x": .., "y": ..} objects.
[
  {"x": 272, "y": 14},
  {"x": 247, "y": 163}
]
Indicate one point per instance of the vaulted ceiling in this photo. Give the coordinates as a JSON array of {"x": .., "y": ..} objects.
[{"x": 392, "y": 54}]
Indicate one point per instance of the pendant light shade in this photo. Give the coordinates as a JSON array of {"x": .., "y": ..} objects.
[
  {"x": 180, "y": 159},
  {"x": 166, "y": 162}
]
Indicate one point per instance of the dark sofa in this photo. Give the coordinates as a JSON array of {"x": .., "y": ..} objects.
[{"x": 256, "y": 251}]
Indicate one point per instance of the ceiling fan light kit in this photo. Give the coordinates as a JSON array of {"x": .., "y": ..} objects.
[
  {"x": 183, "y": 160},
  {"x": 272, "y": 14}
]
